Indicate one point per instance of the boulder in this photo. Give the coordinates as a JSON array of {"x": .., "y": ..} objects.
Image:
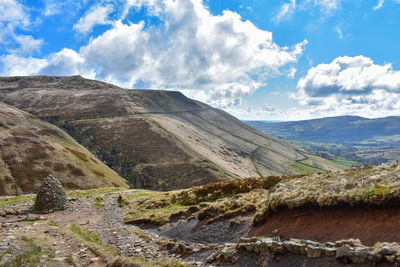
[
  {"x": 51, "y": 196},
  {"x": 313, "y": 251}
]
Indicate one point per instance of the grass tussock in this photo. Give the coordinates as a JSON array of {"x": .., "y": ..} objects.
[
  {"x": 30, "y": 253},
  {"x": 8, "y": 202},
  {"x": 94, "y": 242},
  {"x": 78, "y": 154}
]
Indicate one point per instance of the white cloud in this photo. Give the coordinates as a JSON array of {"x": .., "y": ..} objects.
[
  {"x": 217, "y": 59},
  {"x": 339, "y": 31},
  {"x": 14, "y": 16},
  {"x": 13, "y": 65},
  {"x": 327, "y": 6},
  {"x": 65, "y": 62},
  {"x": 292, "y": 72},
  {"x": 97, "y": 15},
  {"x": 379, "y": 4},
  {"x": 27, "y": 44},
  {"x": 351, "y": 85},
  {"x": 191, "y": 51},
  {"x": 286, "y": 11}
]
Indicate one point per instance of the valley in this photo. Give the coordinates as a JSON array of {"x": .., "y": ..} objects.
[
  {"x": 350, "y": 140},
  {"x": 153, "y": 178}
]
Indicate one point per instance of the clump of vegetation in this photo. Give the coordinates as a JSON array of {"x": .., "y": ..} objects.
[
  {"x": 93, "y": 193},
  {"x": 78, "y": 154},
  {"x": 214, "y": 191},
  {"x": 151, "y": 207},
  {"x": 94, "y": 242},
  {"x": 8, "y": 202},
  {"x": 32, "y": 250}
]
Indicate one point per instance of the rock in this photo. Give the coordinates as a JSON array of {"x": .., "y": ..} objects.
[
  {"x": 330, "y": 244},
  {"x": 51, "y": 196},
  {"x": 330, "y": 252},
  {"x": 94, "y": 260},
  {"x": 313, "y": 251},
  {"x": 248, "y": 239},
  {"x": 387, "y": 250},
  {"x": 211, "y": 258},
  {"x": 343, "y": 251},
  {"x": 358, "y": 257},
  {"x": 295, "y": 247}
]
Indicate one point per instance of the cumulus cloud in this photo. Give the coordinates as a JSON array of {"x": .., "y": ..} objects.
[
  {"x": 351, "y": 85},
  {"x": 64, "y": 62},
  {"x": 217, "y": 59},
  {"x": 14, "y": 16},
  {"x": 97, "y": 15},
  {"x": 27, "y": 44}
]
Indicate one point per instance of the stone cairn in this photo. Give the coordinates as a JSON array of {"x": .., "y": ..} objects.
[{"x": 51, "y": 196}]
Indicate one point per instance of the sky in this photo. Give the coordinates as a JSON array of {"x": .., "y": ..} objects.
[{"x": 256, "y": 59}]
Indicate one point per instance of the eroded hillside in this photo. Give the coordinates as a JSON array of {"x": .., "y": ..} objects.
[
  {"x": 157, "y": 139},
  {"x": 30, "y": 149}
]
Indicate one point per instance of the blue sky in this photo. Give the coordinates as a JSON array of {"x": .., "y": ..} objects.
[{"x": 259, "y": 59}]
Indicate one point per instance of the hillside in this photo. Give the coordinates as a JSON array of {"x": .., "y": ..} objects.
[
  {"x": 342, "y": 129},
  {"x": 30, "y": 149},
  {"x": 156, "y": 139},
  {"x": 369, "y": 141}
]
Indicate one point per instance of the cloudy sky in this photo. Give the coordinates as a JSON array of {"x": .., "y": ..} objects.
[{"x": 257, "y": 59}]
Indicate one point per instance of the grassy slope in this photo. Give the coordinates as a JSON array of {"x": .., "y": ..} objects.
[{"x": 32, "y": 148}]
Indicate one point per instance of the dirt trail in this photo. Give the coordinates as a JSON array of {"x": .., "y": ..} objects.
[
  {"x": 113, "y": 231},
  {"x": 106, "y": 222}
]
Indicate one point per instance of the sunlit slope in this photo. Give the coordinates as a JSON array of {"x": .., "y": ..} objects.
[{"x": 30, "y": 149}]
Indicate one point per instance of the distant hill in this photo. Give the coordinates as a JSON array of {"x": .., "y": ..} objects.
[
  {"x": 30, "y": 149},
  {"x": 342, "y": 129},
  {"x": 370, "y": 141},
  {"x": 153, "y": 138}
]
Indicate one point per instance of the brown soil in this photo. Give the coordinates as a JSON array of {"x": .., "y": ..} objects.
[{"x": 369, "y": 224}]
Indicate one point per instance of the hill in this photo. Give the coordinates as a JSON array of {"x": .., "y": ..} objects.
[
  {"x": 156, "y": 139},
  {"x": 370, "y": 141},
  {"x": 342, "y": 129},
  {"x": 30, "y": 149}
]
